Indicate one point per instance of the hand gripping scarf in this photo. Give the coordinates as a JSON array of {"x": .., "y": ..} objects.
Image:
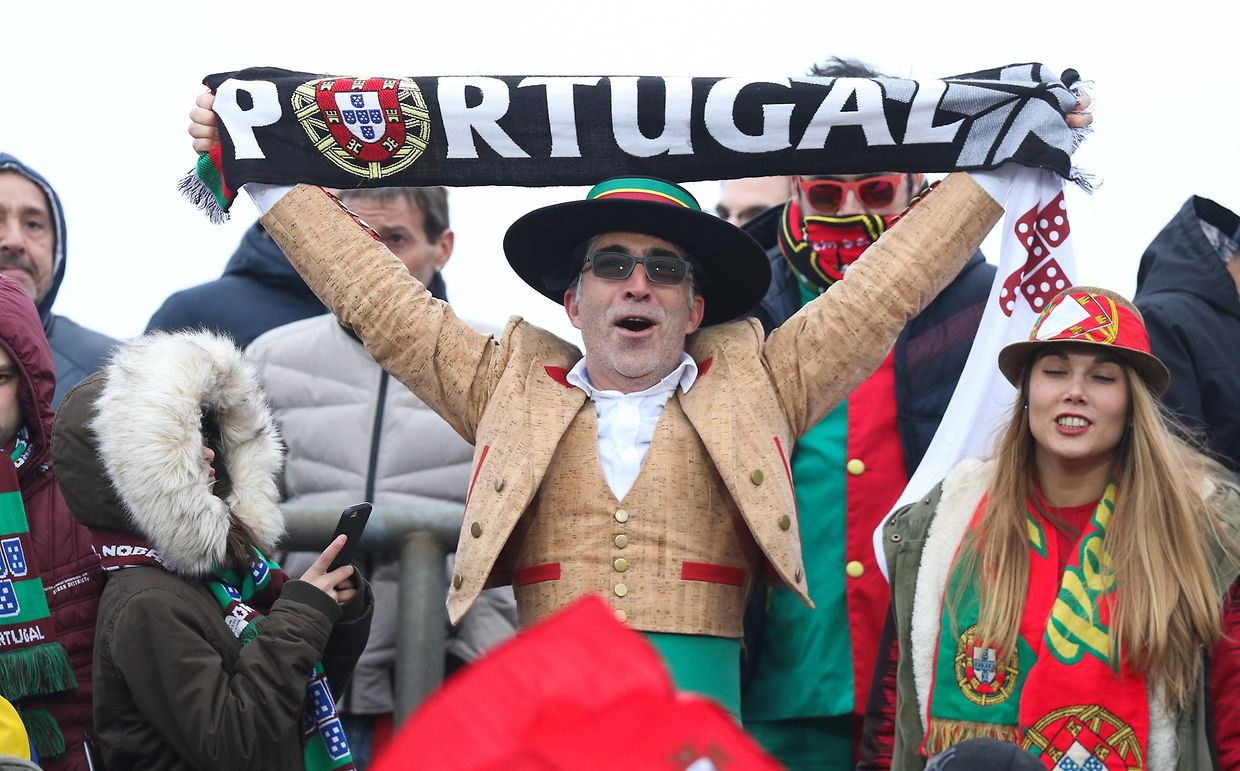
[
  {"x": 1060, "y": 695},
  {"x": 282, "y": 127},
  {"x": 245, "y": 601},
  {"x": 32, "y": 662}
]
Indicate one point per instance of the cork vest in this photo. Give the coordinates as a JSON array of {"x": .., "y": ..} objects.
[{"x": 673, "y": 556}]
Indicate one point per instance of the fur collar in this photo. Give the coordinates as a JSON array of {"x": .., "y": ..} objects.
[{"x": 147, "y": 427}]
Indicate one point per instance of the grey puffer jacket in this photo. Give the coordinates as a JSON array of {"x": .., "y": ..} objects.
[
  {"x": 354, "y": 433},
  {"x": 174, "y": 687}
]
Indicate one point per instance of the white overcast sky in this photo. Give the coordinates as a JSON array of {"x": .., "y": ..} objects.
[{"x": 95, "y": 97}]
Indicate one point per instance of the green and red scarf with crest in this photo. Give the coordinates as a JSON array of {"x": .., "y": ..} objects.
[
  {"x": 245, "y": 601},
  {"x": 32, "y": 662},
  {"x": 1061, "y": 695}
]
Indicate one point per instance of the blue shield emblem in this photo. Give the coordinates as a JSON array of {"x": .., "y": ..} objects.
[
  {"x": 9, "y": 606},
  {"x": 363, "y": 116},
  {"x": 984, "y": 664},
  {"x": 14, "y": 556}
]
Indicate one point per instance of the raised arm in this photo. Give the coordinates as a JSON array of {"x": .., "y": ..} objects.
[{"x": 447, "y": 363}]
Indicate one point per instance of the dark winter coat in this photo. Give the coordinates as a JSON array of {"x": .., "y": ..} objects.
[
  {"x": 69, "y": 568},
  {"x": 1192, "y": 311},
  {"x": 174, "y": 688},
  {"x": 258, "y": 291},
  {"x": 76, "y": 350}
]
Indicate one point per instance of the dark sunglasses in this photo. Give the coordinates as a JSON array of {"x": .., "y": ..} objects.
[
  {"x": 827, "y": 195},
  {"x": 617, "y": 266}
]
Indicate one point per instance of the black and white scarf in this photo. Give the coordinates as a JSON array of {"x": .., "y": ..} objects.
[{"x": 278, "y": 126}]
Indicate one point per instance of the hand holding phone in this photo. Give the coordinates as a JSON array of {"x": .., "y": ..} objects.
[{"x": 352, "y": 523}]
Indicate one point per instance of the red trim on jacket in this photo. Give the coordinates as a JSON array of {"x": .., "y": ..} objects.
[
  {"x": 559, "y": 375},
  {"x": 547, "y": 571},
  {"x": 477, "y": 470},
  {"x": 704, "y": 365},
  {"x": 711, "y": 573}
]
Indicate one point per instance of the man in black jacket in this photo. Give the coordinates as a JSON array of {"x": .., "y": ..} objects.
[
  {"x": 1188, "y": 289},
  {"x": 258, "y": 291}
]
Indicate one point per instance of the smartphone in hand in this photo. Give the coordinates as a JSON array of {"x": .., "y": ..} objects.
[{"x": 352, "y": 523}]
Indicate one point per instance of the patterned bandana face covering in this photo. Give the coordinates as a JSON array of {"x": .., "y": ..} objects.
[{"x": 820, "y": 248}]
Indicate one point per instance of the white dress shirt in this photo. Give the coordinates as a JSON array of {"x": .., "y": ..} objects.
[{"x": 626, "y": 422}]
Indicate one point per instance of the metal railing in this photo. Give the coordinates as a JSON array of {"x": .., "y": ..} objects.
[{"x": 423, "y": 535}]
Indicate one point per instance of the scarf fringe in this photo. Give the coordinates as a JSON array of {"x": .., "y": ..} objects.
[
  {"x": 41, "y": 669},
  {"x": 948, "y": 733},
  {"x": 44, "y": 733},
  {"x": 204, "y": 187}
]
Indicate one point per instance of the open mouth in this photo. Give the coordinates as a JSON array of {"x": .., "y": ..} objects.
[
  {"x": 635, "y": 323},
  {"x": 1072, "y": 423}
]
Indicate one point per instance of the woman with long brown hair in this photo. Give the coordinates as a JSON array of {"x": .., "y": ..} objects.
[{"x": 1070, "y": 594}]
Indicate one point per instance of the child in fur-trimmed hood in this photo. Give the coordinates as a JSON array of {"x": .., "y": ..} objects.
[{"x": 203, "y": 647}]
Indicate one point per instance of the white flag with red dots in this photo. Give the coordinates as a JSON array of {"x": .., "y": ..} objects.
[{"x": 1035, "y": 262}]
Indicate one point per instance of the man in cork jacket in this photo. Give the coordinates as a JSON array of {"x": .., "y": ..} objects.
[{"x": 653, "y": 468}]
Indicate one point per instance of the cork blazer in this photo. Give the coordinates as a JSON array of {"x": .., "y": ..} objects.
[{"x": 505, "y": 395}]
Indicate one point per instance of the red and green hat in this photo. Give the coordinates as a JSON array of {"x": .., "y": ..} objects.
[
  {"x": 1092, "y": 316},
  {"x": 547, "y": 246}
]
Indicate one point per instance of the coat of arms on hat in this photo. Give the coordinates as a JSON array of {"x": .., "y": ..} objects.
[
  {"x": 371, "y": 127},
  {"x": 1079, "y": 315}
]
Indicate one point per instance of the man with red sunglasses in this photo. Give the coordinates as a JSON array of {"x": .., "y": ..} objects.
[{"x": 808, "y": 672}]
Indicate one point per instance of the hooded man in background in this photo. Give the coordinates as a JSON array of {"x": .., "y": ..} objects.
[{"x": 32, "y": 251}]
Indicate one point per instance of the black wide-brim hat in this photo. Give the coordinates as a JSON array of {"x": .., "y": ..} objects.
[{"x": 730, "y": 269}]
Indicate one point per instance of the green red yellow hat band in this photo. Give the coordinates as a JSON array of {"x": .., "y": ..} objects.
[{"x": 642, "y": 189}]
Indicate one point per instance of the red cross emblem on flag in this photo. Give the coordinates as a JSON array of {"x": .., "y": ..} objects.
[{"x": 1041, "y": 276}]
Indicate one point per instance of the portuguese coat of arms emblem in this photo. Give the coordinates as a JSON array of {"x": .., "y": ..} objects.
[
  {"x": 371, "y": 127},
  {"x": 982, "y": 677}
]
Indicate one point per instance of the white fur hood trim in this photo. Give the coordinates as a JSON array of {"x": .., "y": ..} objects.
[{"x": 148, "y": 428}]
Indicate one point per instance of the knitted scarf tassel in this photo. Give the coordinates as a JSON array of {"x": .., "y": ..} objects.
[
  {"x": 44, "y": 733},
  {"x": 206, "y": 189}
]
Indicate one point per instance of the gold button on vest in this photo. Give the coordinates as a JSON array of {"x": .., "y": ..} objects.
[
  {"x": 856, "y": 467},
  {"x": 637, "y": 548},
  {"x": 499, "y": 484},
  {"x": 797, "y": 575},
  {"x": 475, "y": 530},
  {"x": 854, "y": 569},
  {"x": 621, "y": 616},
  {"x": 457, "y": 580},
  {"x": 785, "y": 521},
  {"x": 756, "y": 477}
]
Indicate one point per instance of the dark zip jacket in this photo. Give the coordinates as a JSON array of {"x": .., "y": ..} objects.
[{"x": 1192, "y": 311}]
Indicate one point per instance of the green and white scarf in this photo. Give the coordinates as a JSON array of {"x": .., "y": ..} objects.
[
  {"x": 32, "y": 661},
  {"x": 241, "y": 597}
]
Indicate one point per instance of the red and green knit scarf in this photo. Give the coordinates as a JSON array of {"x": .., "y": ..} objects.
[
  {"x": 32, "y": 662},
  {"x": 1060, "y": 694},
  {"x": 245, "y": 600}
]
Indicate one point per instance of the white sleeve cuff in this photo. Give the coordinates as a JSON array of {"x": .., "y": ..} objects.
[
  {"x": 265, "y": 196},
  {"x": 997, "y": 182}
]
